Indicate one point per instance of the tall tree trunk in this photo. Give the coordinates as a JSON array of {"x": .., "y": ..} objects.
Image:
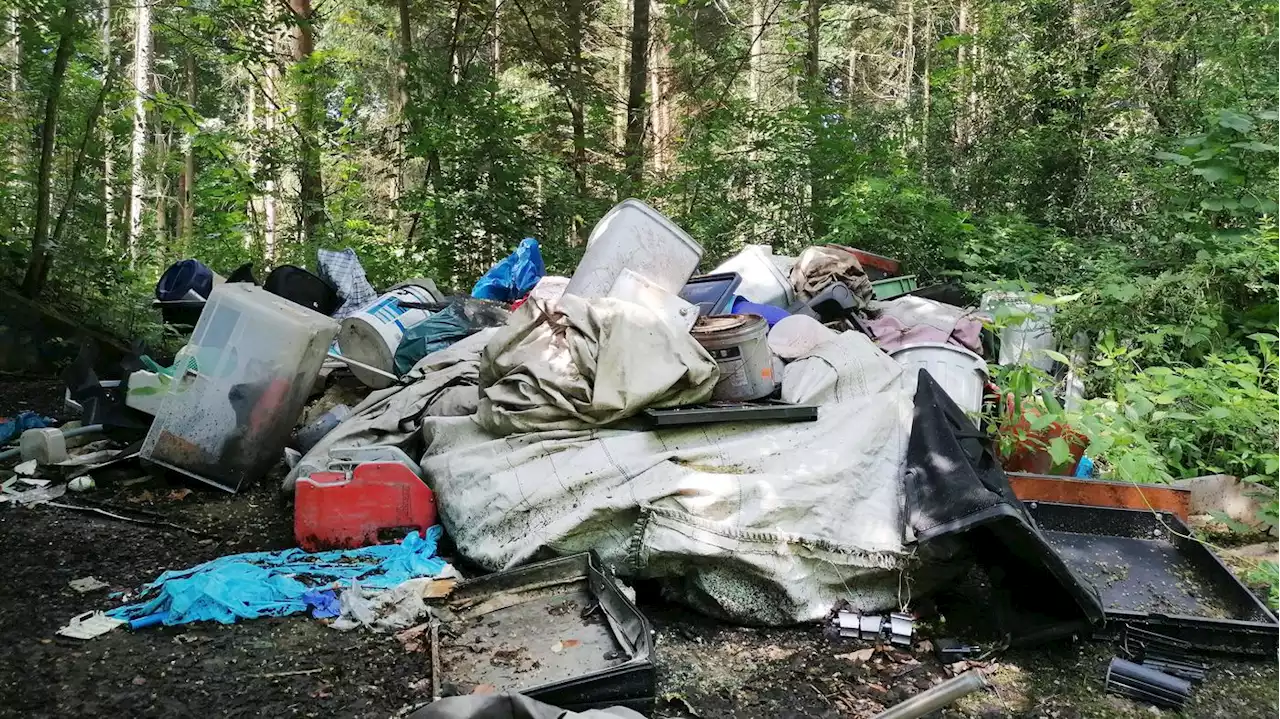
[
  {"x": 108, "y": 146},
  {"x": 757, "y": 48},
  {"x": 138, "y": 144},
  {"x": 851, "y": 72},
  {"x": 251, "y": 129},
  {"x": 813, "y": 95},
  {"x": 812, "y": 70},
  {"x": 660, "y": 102},
  {"x": 270, "y": 95},
  {"x": 310, "y": 182},
  {"x": 633, "y": 151},
  {"x": 625, "y": 10},
  {"x": 495, "y": 31},
  {"x": 577, "y": 112},
  {"x": 37, "y": 267},
  {"x": 404, "y": 108},
  {"x": 926, "y": 88},
  {"x": 455, "y": 44},
  {"x": 77, "y": 165},
  {"x": 185, "y": 185},
  {"x": 13, "y": 114},
  {"x": 962, "y": 64},
  {"x": 909, "y": 60},
  {"x": 160, "y": 189}
]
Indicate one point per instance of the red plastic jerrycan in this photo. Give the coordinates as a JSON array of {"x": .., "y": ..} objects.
[{"x": 374, "y": 503}]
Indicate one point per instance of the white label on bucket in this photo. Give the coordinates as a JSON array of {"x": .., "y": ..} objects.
[{"x": 388, "y": 310}]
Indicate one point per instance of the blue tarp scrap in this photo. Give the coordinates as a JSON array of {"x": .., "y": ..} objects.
[
  {"x": 275, "y": 584},
  {"x": 12, "y": 427},
  {"x": 514, "y": 275}
]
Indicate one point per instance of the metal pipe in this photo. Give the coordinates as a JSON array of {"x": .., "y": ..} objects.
[
  {"x": 936, "y": 698},
  {"x": 66, "y": 434},
  {"x": 363, "y": 366},
  {"x": 77, "y": 431}
]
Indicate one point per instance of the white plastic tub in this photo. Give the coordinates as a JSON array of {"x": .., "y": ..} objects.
[
  {"x": 636, "y": 237},
  {"x": 238, "y": 386},
  {"x": 960, "y": 372},
  {"x": 762, "y": 280}
]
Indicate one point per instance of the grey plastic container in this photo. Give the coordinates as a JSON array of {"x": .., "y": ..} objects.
[{"x": 634, "y": 236}]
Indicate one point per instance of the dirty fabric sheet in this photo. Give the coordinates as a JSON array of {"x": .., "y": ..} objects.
[
  {"x": 392, "y": 416},
  {"x": 576, "y": 364},
  {"x": 908, "y": 321},
  {"x": 763, "y": 523}
]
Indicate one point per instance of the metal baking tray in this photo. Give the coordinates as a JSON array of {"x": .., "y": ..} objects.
[
  {"x": 1151, "y": 575},
  {"x": 560, "y": 631}
]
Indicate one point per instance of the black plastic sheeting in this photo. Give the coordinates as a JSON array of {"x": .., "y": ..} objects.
[
  {"x": 511, "y": 706},
  {"x": 956, "y": 492}
]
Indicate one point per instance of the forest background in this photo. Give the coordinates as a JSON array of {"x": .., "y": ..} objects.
[{"x": 1120, "y": 154}]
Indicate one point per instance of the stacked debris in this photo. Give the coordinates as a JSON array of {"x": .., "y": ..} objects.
[{"x": 762, "y": 442}]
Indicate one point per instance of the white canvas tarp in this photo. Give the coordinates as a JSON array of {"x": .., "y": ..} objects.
[{"x": 763, "y": 523}]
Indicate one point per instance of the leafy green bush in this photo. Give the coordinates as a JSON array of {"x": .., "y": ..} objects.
[{"x": 1266, "y": 574}]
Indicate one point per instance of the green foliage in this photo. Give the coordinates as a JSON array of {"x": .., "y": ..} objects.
[
  {"x": 1120, "y": 154},
  {"x": 1266, "y": 574}
]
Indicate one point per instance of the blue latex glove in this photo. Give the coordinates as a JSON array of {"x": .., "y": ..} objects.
[{"x": 323, "y": 602}]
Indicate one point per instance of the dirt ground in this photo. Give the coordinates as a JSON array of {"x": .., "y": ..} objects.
[{"x": 299, "y": 667}]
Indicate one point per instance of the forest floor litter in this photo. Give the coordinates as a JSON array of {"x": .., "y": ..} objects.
[
  {"x": 635, "y": 466},
  {"x": 294, "y": 666}
]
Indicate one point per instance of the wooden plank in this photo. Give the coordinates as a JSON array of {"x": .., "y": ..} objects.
[{"x": 1097, "y": 493}]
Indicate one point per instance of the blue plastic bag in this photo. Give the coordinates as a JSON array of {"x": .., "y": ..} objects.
[
  {"x": 12, "y": 427},
  {"x": 514, "y": 276}
]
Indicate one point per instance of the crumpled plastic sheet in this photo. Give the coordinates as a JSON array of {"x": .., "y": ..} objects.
[
  {"x": 463, "y": 317},
  {"x": 513, "y": 276},
  {"x": 34, "y": 496},
  {"x": 386, "y": 610},
  {"x": 256, "y": 584},
  {"x": 394, "y": 609}
]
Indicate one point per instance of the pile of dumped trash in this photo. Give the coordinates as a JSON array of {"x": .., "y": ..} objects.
[{"x": 765, "y": 441}]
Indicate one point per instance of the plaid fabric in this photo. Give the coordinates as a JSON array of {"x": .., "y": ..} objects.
[{"x": 343, "y": 270}]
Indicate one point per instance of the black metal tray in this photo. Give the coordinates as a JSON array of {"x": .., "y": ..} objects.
[
  {"x": 1151, "y": 577},
  {"x": 559, "y": 631},
  {"x": 764, "y": 410}
]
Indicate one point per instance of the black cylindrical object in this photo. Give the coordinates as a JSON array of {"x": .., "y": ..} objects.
[{"x": 1146, "y": 684}]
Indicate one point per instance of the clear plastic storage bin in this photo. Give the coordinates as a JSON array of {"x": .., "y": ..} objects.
[{"x": 239, "y": 386}]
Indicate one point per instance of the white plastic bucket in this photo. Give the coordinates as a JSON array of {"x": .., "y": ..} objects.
[
  {"x": 636, "y": 237},
  {"x": 373, "y": 333},
  {"x": 739, "y": 346},
  {"x": 960, "y": 372},
  {"x": 762, "y": 280}
]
